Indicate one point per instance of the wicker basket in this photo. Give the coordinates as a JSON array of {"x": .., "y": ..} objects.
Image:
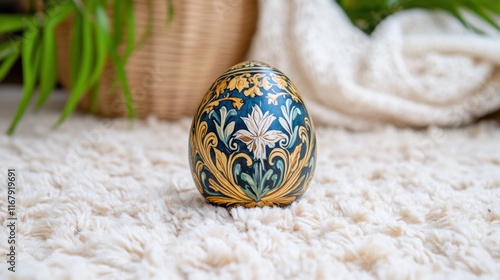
[{"x": 171, "y": 72}]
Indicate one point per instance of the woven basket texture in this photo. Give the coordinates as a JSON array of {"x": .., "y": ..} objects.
[{"x": 172, "y": 70}]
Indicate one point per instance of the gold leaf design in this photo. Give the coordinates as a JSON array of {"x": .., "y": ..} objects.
[
  {"x": 253, "y": 91},
  {"x": 221, "y": 87},
  {"x": 295, "y": 158},
  {"x": 264, "y": 83},
  {"x": 239, "y": 82},
  {"x": 221, "y": 161},
  {"x": 280, "y": 81},
  {"x": 235, "y": 101},
  {"x": 258, "y": 81}
]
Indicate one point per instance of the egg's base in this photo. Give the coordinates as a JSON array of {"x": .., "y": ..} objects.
[
  {"x": 236, "y": 205},
  {"x": 252, "y": 204}
]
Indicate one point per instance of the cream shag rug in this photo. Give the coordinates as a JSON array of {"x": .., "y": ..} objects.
[{"x": 100, "y": 199}]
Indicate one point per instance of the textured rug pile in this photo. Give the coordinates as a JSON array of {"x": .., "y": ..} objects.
[{"x": 98, "y": 198}]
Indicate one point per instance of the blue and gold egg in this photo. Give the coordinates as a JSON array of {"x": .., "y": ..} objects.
[{"x": 252, "y": 141}]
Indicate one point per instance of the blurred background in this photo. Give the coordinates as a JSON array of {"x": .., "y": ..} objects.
[{"x": 137, "y": 58}]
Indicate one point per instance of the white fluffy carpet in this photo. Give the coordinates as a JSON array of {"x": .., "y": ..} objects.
[{"x": 100, "y": 199}]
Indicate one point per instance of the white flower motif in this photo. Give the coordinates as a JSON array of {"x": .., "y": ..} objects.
[
  {"x": 258, "y": 136},
  {"x": 273, "y": 98}
]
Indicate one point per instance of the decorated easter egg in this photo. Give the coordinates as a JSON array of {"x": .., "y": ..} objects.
[{"x": 252, "y": 141}]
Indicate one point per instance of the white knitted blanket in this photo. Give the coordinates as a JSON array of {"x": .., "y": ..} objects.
[{"x": 418, "y": 68}]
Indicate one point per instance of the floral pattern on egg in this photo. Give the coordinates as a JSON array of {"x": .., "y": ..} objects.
[{"x": 252, "y": 141}]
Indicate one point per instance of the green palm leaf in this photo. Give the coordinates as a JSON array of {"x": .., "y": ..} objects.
[
  {"x": 7, "y": 64},
  {"x": 30, "y": 55},
  {"x": 79, "y": 88},
  {"x": 13, "y": 23},
  {"x": 9, "y": 47},
  {"x": 102, "y": 34},
  {"x": 367, "y": 14},
  {"x": 48, "y": 64},
  {"x": 93, "y": 42}
]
